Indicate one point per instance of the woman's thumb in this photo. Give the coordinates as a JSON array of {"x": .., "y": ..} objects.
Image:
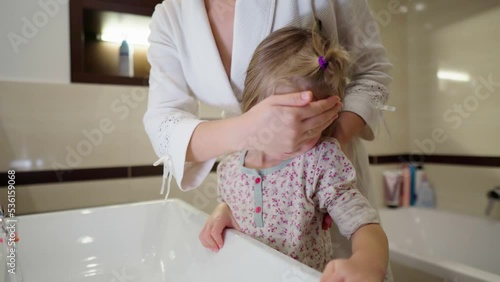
[{"x": 293, "y": 99}]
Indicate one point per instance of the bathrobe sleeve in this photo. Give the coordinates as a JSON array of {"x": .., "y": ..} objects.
[
  {"x": 335, "y": 190},
  {"x": 172, "y": 113},
  {"x": 368, "y": 91}
]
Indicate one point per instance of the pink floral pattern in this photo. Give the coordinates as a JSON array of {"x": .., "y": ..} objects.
[{"x": 295, "y": 199}]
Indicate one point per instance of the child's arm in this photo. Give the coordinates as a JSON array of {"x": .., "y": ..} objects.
[
  {"x": 368, "y": 261},
  {"x": 336, "y": 193},
  {"x": 220, "y": 219},
  {"x": 370, "y": 245}
]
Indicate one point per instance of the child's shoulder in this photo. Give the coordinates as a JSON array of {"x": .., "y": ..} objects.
[
  {"x": 328, "y": 145},
  {"x": 326, "y": 151}
]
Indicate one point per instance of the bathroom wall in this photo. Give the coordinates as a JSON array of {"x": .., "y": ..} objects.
[
  {"x": 35, "y": 41},
  {"x": 454, "y": 91},
  {"x": 455, "y": 80}
]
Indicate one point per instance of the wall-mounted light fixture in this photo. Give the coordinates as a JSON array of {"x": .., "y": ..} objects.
[
  {"x": 453, "y": 76},
  {"x": 133, "y": 36}
]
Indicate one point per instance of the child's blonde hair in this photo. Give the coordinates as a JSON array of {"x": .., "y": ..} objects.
[{"x": 290, "y": 56}]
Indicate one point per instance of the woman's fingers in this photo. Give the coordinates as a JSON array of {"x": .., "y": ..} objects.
[
  {"x": 317, "y": 108},
  {"x": 280, "y": 123},
  {"x": 313, "y": 127},
  {"x": 317, "y": 120},
  {"x": 296, "y": 99}
]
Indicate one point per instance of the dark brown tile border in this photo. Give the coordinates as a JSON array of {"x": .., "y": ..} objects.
[
  {"x": 60, "y": 176},
  {"x": 55, "y": 176},
  {"x": 146, "y": 170},
  {"x": 437, "y": 159}
]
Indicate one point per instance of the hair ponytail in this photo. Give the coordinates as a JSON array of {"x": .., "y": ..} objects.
[
  {"x": 337, "y": 62},
  {"x": 291, "y": 56},
  {"x": 337, "y": 69}
]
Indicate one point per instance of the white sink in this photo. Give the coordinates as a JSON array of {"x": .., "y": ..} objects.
[{"x": 152, "y": 241}]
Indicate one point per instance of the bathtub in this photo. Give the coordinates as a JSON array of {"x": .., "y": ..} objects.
[
  {"x": 151, "y": 241},
  {"x": 448, "y": 245}
]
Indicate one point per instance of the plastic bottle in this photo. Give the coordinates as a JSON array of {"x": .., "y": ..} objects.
[
  {"x": 425, "y": 197},
  {"x": 126, "y": 60}
]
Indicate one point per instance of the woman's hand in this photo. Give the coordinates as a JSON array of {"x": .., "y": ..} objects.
[
  {"x": 220, "y": 219},
  {"x": 346, "y": 127},
  {"x": 287, "y": 125},
  {"x": 350, "y": 270}
]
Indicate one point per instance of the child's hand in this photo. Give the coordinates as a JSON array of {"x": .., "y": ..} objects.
[
  {"x": 350, "y": 270},
  {"x": 211, "y": 234}
]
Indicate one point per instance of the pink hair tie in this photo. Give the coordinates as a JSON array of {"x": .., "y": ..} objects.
[{"x": 322, "y": 62}]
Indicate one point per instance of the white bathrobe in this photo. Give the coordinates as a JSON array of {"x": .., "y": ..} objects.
[{"x": 186, "y": 67}]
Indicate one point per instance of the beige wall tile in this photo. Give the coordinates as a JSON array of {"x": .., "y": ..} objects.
[
  {"x": 35, "y": 43},
  {"x": 463, "y": 189},
  {"x": 42, "y": 123},
  {"x": 460, "y": 40}
]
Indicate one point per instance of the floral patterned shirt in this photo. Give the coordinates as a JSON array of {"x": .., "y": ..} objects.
[{"x": 283, "y": 206}]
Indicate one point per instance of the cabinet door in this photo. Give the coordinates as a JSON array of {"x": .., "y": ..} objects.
[
  {"x": 125, "y": 2},
  {"x": 151, "y": 3}
]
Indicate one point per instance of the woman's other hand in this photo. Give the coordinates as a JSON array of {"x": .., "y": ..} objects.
[{"x": 345, "y": 128}]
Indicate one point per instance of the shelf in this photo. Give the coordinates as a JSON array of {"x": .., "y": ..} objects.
[
  {"x": 108, "y": 79},
  {"x": 97, "y": 29}
]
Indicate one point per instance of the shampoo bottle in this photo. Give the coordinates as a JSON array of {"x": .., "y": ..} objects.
[
  {"x": 126, "y": 60},
  {"x": 425, "y": 196}
]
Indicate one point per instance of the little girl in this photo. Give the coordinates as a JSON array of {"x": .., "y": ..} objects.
[{"x": 282, "y": 203}]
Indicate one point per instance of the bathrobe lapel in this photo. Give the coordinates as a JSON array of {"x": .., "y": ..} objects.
[
  {"x": 253, "y": 22},
  {"x": 208, "y": 77}
]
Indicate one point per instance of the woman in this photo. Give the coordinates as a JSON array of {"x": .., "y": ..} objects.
[{"x": 200, "y": 49}]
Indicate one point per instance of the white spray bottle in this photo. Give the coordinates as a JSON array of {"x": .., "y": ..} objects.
[{"x": 126, "y": 60}]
